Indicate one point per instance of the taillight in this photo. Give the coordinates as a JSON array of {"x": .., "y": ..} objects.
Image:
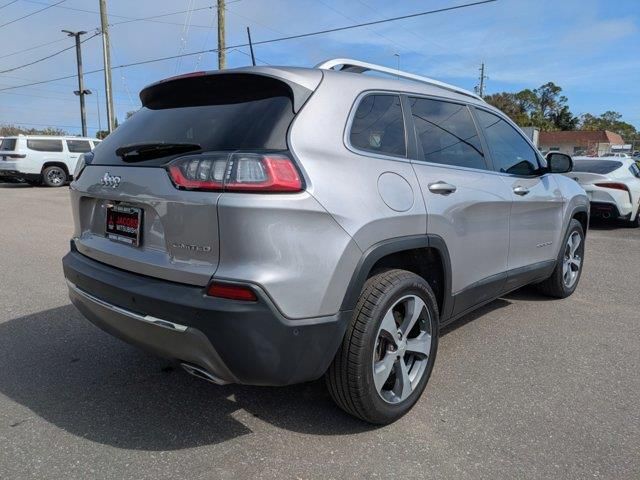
[
  {"x": 231, "y": 292},
  {"x": 614, "y": 185},
  {"x": 236, "y": 172}
]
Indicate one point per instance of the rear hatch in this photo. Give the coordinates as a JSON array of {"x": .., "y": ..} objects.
[{"x": 128, "y": 212}]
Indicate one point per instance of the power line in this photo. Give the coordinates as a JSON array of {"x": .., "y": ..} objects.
[
  {"x": 31, "y": 14},
  {"x": 134, "y": 19},
  {"x": 263, "y": 42},
  {"x": 33, "y": 48},
  {"x": 7, "y": 4},
  {"x": 47, "y": 57}
]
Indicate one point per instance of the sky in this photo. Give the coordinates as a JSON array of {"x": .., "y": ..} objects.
[{"x": 591, "y": 48}]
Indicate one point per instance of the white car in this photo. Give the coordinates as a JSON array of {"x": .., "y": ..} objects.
[
  {"x": 617, "y": 155},
  {"x": 38, "y": 159},
  {"x": 612, "y": 184}
]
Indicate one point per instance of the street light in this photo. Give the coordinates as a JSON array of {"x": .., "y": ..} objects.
[{"x": 81, "y": 92}]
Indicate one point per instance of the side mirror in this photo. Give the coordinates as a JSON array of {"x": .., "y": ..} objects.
[{"x": 559, "y": 162}]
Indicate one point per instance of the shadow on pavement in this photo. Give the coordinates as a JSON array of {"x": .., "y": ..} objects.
[
  {"x": 73, "y": 375},
  {"x": 90, "y": 384}
]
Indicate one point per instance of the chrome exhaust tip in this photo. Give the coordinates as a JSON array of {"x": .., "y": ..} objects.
[{"x": 202, "y": 374}]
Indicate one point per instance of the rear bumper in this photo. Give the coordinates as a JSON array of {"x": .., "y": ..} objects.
[
  {"x": 236, "y": 342},
  {"x": 609, "y": 210}
]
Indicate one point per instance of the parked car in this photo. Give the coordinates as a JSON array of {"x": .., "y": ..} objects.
[
  {"x": 271, "y": 225},
  {"x": 613, "y": 186},
  {"x": 616, "y": 155},
  {"x": 38, "y": 159}
]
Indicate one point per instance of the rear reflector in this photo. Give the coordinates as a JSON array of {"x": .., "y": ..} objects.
[
  {"x": 236, "y": 172},
  {"x": 231, "y": 292}
]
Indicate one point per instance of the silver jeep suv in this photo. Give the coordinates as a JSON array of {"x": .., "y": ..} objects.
[{"x": 271, "y": 225}]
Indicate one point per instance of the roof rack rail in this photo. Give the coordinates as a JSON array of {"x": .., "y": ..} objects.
[{"x": 356, "y": 66}]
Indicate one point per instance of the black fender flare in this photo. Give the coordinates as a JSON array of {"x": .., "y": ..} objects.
[{"x": 394, "y": 245}]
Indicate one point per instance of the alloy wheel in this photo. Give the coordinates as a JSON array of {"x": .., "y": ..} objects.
[
  {"x": 403, "y": 345},
  {"x": 572, "y": 260}
]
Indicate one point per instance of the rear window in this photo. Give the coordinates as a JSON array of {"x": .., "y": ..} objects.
[
  {"x": 251, "y": 116},
  {"x": 78, "y": 146},
  {"x": 44, "y": 145},
  {"x": 601, "y": 167},
  {"x": 8, "y": 144}
]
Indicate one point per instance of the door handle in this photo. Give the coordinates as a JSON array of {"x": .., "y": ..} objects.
[
  {"x": 520, "y": 190},
  {"x": 442, "y": 188}
]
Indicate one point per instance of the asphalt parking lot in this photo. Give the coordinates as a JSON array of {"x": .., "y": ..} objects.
[{"x": 524, "y": 388}]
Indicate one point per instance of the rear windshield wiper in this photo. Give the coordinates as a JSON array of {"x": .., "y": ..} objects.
[{"x": 145, "y": 151}]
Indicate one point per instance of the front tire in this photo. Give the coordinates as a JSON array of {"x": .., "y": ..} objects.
[
  {"x": 566, "y": 275},
  {"x": 54, "y": 176},
  {"x": 388, "y": 352}
]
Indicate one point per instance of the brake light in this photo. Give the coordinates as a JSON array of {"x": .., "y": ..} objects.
[
  {"x": 614, "y": 185},
  {"x": 236, "y": 172},
  {"x": 231, "y": 292}
]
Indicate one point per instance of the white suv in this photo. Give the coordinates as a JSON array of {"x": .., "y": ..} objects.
[{"x": 42, "y": 159}]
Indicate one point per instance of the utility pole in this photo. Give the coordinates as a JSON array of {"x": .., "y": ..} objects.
[
  {"x": 483, "y": 77},
  {"x": 222, "y": 60},
  {"x": 106, "y": 57},
  {"x": 81, "y": 92}
]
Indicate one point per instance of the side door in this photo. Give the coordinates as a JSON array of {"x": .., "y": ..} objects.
[
  {"x": 467, "y": 203},
  {"x": 536, "y": 215},
  {"x": 76, "y": 148}
]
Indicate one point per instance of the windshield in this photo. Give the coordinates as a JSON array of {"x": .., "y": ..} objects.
[{"x": 601, "y": 167}]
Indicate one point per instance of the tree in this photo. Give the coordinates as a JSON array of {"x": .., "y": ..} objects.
[
  {"x": 12, "y": 130},
  {"x": 101, "y": 134},
  {"x": 611, "y": 121},
  {"x": 543, "y": 107}
]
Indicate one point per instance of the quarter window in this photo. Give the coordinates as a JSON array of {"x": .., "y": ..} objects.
[
  {"x": 509, "y": 150},
  {"x": 447, "y": 133},
  {"x": 378, "y": 126},
  {"x": 8, "y": 144},
  {"x": 78, "y": 146},
  {"x": 45, "y": 145}
]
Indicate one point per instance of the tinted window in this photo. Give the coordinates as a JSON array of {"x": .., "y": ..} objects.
[
  {"x": 596, "y": 166},
  {"x": 635, "y": 170},
  {"x": 509, "y": 150},
  {"x": 378, "y": 126},
  {"x": 45, "y": 145},
  {"x": 231, "y": 123},
  {"x": 447, "y": 133},
  {"x": 8, "y": 144},
  {"x": 78, "y": 146}
]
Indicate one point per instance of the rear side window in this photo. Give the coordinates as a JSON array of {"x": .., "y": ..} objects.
[
  {"x": 447, "y": 133},
  {"x": 44, "y": 145},
  {"x": 510, "y": 152},
  {"x": 635, "y": 170},
  {"x": 600, "y": 167},
  {"x": 78, "y": 146},
  {"x": 8, "y": 144},
  {"x": 378, "y": 126}
]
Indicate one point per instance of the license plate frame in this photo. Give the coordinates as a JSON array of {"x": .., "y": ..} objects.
[{"x": 123, "y": 224}]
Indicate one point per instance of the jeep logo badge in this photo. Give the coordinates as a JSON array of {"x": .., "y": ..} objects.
[{"x": 109, "y": 180}]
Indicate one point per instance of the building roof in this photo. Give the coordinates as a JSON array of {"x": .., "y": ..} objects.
[{"x": 580, "y": 137}]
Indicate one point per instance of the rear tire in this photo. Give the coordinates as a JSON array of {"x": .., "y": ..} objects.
[
  {"x": 566, "y": 275},
  {"x": 387, "y": 355},
  {"x": 635, "y": 223},
  {"x": 54, "y": 176}
]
